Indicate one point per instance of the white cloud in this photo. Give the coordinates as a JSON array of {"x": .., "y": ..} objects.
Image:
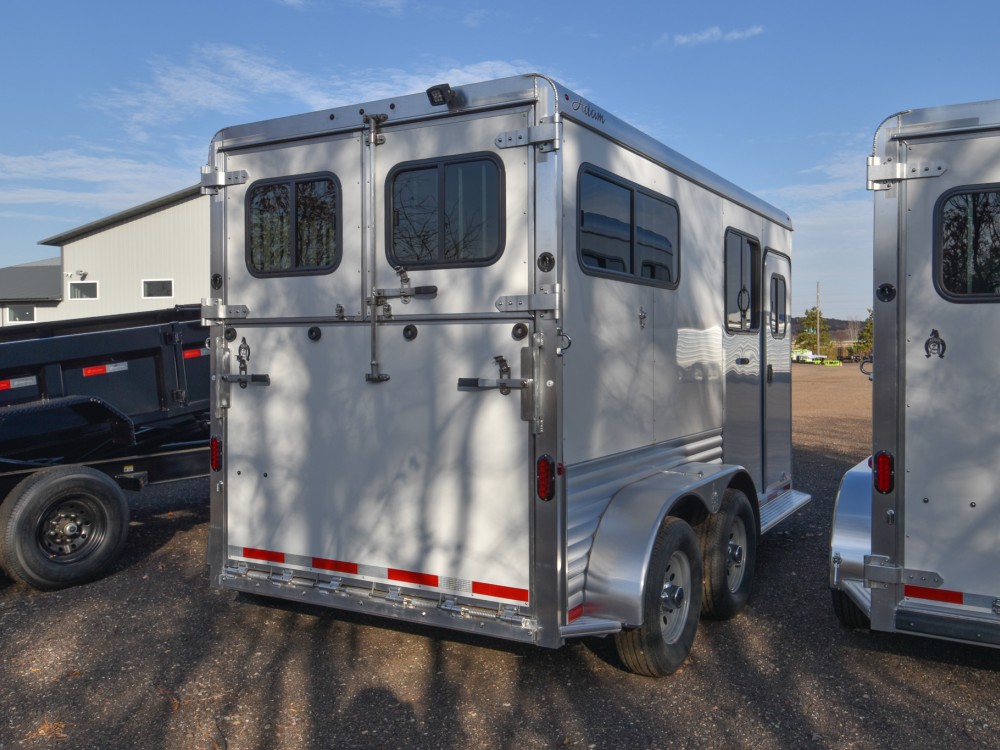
[
  {"x": 713, "y": 35},
  {"x": 832, "y": 215},
  {"x": 233, "y": 81}
]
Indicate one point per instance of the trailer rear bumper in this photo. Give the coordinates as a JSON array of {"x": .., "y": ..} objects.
[{"x": 965, "y": 627}]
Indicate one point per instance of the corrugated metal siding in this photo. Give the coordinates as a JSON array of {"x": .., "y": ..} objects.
[
  {"x": 590, "y": 487},
  {"x": 170, "y": 243}
]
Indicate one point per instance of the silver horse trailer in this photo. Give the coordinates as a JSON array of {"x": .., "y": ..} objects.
[
  {"x": 916, "y": 528},
  {"x": 490, "y": 359}
]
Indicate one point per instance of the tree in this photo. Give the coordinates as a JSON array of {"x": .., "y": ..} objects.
[
  {"x": 807, "y": 331},
  {"x": 866, "y": 336}
]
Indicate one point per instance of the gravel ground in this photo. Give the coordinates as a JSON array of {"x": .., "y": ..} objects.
[{"x": 152, "y": 657}]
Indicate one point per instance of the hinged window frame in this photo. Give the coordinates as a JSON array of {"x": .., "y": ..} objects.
[{"x": 292, "y": 181}]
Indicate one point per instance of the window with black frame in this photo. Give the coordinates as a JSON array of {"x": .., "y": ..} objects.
[
  {"x": 446, "y": 212},
  {"x": 742, "y": 283},
  {"x": 779, "y": 305},
  {"x": 293, "y": 226},
  {"x": 627, "y": 232},
  {"x": 969, "y": 244}
]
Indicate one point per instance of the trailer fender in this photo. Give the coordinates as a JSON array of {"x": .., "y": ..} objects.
[
  {"x": 623, "y": 542},
  {"x": 851, "y": 535}
]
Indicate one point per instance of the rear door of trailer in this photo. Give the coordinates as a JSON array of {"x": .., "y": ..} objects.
[
  {"x": 948, "y": 531},
  {"x": 363, "y": 457}
]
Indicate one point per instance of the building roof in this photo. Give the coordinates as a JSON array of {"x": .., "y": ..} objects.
[
  {"x": 40, "y": 281},
  {"x": 152, "y": 206}
]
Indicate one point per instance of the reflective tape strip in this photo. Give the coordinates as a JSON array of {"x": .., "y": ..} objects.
[
  {"x": 195, "y": 353},
  {"x": 475, "y": 588},
  {"x": 104, "y": 369},
  {"x": 337, "y": 566},
  {"x": 934, "y": 595},
  {"x": 263, "y": 554},
  {"x": 9, "y": 385}
]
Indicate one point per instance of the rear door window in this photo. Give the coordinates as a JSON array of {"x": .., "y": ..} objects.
[
  {"x": 446, "y": 212},
  {"x": 293, "y": 226},
  {"x": 968, "y": 244}
]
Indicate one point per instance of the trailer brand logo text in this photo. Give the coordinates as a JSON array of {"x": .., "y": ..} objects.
[{"x": 592, "y": 112}]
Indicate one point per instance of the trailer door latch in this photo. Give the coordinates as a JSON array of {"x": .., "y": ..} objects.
[{"x": 505, "y": 382}]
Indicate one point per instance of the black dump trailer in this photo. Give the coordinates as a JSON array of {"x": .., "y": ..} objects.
[{"x": 89, "y": 408}]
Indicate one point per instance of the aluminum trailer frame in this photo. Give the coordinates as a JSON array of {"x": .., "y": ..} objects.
[
  {"x": 915, "y": 528},
  {"x": 488, "y": 486}
]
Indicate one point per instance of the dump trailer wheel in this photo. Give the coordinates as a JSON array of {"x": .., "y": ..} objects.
[
  {"x": 729, "y": 546},
  {"x": 671, "y": 604},
  {"x": 850, "y": 614},
  {"x": 61, "y": 527}
]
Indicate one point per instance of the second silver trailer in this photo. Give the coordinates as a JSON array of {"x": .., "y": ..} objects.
[
  {"x": 490, "y": 359},
  {"x": 916, "y": 529}
]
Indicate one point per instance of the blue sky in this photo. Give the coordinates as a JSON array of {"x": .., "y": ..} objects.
[{"x": 109, "y": 104}]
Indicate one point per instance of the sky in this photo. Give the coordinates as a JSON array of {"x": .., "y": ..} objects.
[{"x": 106, "y": 104}]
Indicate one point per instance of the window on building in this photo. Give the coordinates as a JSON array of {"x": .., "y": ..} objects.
[
  {"x": 626, "y": 231},
  {"x": 20, "y": 313},
  {"x": 293, "y": 226},
  {"x": 742, "y": 282},
  {"x": 968, "y": 254},
  {"x": 83, "y": 290},
  {"x": 446, "y": 212},
  {"x": 157, "y": 288}
]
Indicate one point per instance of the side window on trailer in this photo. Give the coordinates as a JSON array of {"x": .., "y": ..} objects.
[
  {"x": 446, "y": 212},
  {"x": 779, "y": 306},
  {"x": 627, "y": 232},
  {"x": 742, "y": 283},
  {"x": 293, "y": 226},
  {"x": 968, "y": 239}
]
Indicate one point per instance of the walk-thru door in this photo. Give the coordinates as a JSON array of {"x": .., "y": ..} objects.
[
  {"x": 371, "y": 263},
  {"x": 949, "y": 526},
  {"x": 777, "y": 376}
]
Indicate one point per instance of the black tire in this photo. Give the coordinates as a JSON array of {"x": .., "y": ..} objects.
[
  {"x": 850, "y": 614},
  {"x": 671, "y": 604},
  {"x": 729, "y": 546},
  {"x": 61, "y": 527}
]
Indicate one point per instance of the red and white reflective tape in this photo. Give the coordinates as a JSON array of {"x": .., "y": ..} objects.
[
  {"x": 89, "y": 372},
  {"x": 947, "y": 596},
  {"x": 395, "y": 575},
  {"x": 195, "y": 353},
  {"x": 9, "y": 385}
]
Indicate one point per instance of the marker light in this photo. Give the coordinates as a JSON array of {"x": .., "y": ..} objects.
[
  {"x": 884, "y": 467},
  {"x": 546, "y": 477},
  {"x": 216, "y": 453}
]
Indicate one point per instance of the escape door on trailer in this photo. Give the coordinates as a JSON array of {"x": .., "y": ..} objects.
[
  {"x": 363, "y": 456},
  {"x": 949, "y": 305}
]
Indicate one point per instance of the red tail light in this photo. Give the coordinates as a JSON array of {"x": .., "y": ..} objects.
[
  {"x": 216, "y": 451},
  {"x": 546, "y": 477},
  {"x": 884, "y": 467}
]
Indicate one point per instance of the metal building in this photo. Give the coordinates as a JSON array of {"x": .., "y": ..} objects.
[{"x": 149, "y": 257}]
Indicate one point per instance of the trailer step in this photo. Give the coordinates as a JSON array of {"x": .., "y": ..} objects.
[{"x": 781, "y": 507}]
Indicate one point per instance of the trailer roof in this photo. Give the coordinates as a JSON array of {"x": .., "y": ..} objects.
[{"x": 557, "y": 100}]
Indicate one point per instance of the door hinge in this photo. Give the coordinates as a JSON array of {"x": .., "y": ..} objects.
[
  {"x": 213, "y": 311},
  {"x": 881, "y": 176},
  {"x": 546, "y": 300},
  {"x": 546, "y": 136},
  {"x": 213, "y": 178},
  {"x": 880, "y": 573}
]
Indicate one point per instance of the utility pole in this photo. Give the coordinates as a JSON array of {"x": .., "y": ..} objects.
[{"x": 818, "y": 349}]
